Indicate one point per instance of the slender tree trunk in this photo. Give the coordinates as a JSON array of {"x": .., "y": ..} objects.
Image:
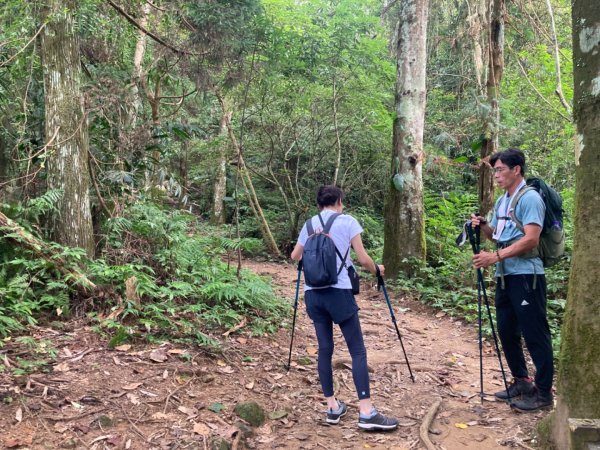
[
  {"x": 338, "y": 144},
  {"x": 404, "y": 221},
  {"x": 218, "y": 215},
  {"x": 138, "y": 71},
  {"x": 579, "y": 369},
  {"x": 558, "y": 91},
  {"x": 65, "y": 118},
  {"x": 249, "y": 186},
  {"x": 4, "y": 169},
  {"x": 183, "y": 169},
  {"x": 492, "y": 121},
  {"x": 152, "y": 174}
]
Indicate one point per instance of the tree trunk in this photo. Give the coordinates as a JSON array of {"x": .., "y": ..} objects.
[
  {"x": 477, "y": 20},
  {"x": 138, "y": 71},
  {"x": 249, "y": 187},
  {"x": 4, "y": 169},
  {"x": 67, "y": 155},
  {"x": 404, "y": 221},
  {"x": 338, "y": 143},
  {"x": 578, "y": 377},
  {"x": 183, "y": 171},
  {"x": 489, "y": 145},
  {"x": 218, "y": 215},
  {"x": 558, "y": 91}
]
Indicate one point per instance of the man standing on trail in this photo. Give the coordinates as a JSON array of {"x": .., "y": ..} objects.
[
  {"x": 336, "y": 304},
  {"x": 521, "y": 283}
]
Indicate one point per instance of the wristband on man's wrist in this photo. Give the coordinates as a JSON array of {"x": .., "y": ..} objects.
[
  {"x": 482, "y": 221},
  {"x": 498, "y": 255}
]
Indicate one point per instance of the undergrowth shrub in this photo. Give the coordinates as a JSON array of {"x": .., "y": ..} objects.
[
  {"x": 29, "y": 284},
  {"x": 182, "y": 282},
  {"x": 160, "y": 274}
]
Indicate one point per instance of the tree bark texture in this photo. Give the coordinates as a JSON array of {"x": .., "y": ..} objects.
[
  {"x": 404, "y": 219},
  {"x": 218, "y": 215},
  {"x": 489, "y": 145},
  {"x": 67, "y": 155},
  {"x": 138, "y": 70},
  {"x": 579, "y": 375},
  {"x": 477, "y": 26}
]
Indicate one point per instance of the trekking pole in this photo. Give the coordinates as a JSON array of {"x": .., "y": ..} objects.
[
  {"x": 381, "y": 284},
  {"x": 295, "y": 311},
  {"x": 474, "y": 240},
  {"x": 475, "y": 243}
]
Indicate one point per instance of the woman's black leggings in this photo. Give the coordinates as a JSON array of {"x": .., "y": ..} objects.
[{"x": 356, "y": 346}]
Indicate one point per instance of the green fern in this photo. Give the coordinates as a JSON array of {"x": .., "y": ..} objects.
[{"x": 45, "y": 204}]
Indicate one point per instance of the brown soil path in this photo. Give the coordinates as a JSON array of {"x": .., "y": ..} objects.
[{"x": 170, "y": 397}]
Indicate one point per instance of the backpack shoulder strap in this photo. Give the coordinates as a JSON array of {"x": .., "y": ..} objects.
[
  {"x": 513, "y": 206},
  {"x": 327, "y": 226},
  {"x": 309, "y": 228}
]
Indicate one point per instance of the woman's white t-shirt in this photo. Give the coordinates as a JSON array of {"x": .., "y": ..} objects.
[{"x": 342, "y": 231}]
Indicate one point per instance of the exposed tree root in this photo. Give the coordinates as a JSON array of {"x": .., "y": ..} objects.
[{"x": 424, "y": 428}]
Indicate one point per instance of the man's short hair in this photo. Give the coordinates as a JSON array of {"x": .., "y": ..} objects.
[
  {"x": 329, "y": 195},
  {"x": 512, "y": 157}
]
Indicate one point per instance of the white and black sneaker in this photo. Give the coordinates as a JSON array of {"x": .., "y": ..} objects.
[
  {"x": 377, "y": 422},
  {"x": 334, "y": 416}
]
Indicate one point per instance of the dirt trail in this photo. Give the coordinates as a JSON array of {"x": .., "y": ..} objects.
[{"x": 170, "y": 397}]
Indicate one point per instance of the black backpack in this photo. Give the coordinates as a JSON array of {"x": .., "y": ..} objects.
[
  {"x": 319, "y": 255},
  {"x": 551, "y": 247}
]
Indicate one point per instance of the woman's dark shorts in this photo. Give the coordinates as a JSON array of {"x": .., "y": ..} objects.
[{"x": 330, "y": 304}]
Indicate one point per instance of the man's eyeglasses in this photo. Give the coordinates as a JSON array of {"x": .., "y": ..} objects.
[{"x": 501, "y": 169}]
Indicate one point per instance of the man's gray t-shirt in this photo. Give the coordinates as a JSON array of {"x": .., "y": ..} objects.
[
  {"x": 530, "y": 210},
  {"x": 342, "y": 231}
]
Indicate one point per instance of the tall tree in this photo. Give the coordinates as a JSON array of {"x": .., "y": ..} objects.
[
  {"x": 403, "y": 211},
  {"x": 66, "y": 128},
  {"x": 220, "y": 184},
  {"x": 578, "y": 379},
  {"x": 492, "y": 121}
]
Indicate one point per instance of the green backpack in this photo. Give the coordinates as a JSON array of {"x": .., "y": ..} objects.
[{"x": 551, "y": 247}]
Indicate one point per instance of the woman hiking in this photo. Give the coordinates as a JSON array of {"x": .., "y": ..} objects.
[{"x": 326, "y": 305}]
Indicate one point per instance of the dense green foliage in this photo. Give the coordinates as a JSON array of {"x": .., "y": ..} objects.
[
  {"x": 182, "y": 289},
  {"x": 306, "y": 83}
]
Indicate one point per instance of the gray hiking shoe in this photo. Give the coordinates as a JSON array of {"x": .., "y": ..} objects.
[
  {"x": 378, "y": 422},
  {"x": 333, "y": 417},
  {"x": 518, "y": 387},
  {"x": 534, "y": 401}
]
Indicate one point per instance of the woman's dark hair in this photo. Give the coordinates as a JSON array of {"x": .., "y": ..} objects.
[
  {"x": 329, "y": 196},
  {"x": 512, "y": 157}
]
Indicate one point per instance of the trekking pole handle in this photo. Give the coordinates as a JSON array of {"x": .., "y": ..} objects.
[
  {"x": 380, "y": 281},
  {"x": 482, "y": 221},
  {"x": 299, "y": 265},
  {"x": 471, "y": 232}
]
